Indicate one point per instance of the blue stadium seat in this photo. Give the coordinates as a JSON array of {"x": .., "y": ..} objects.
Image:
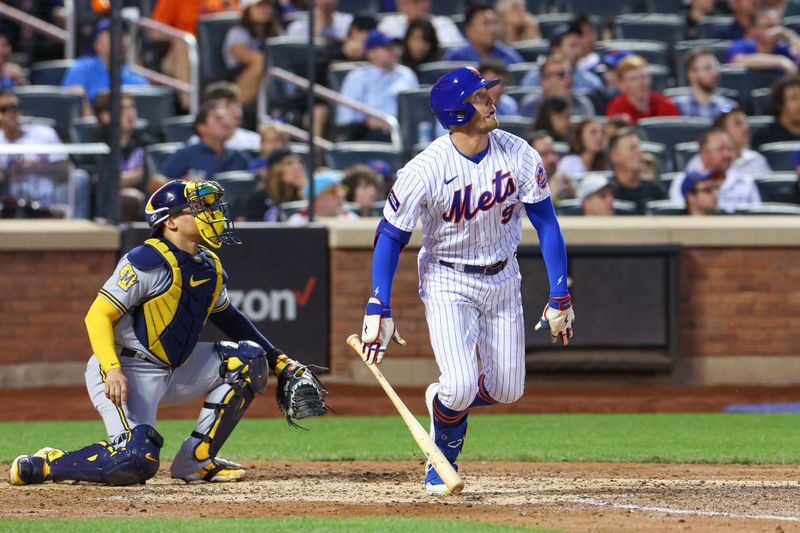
[
  {"x": 519, "y": 126},
  {"x": 664, "y": 207},
  {"x": 607, "y": 9},
  {"x": 778, "y": 187},
  {"x": 429, "y": 73},
  {"x": 780, "y": 155},
  {"x": 772, "y": 208},
  {"x": 682, "y": 48},
  {"x": 660, "y": 77},
  {"x": 541, "y": 6},
  {"x": 448, "y": 7},
  {"x": 711, "y": 24},
  {"x": 683, "y": 153},
  {"x": 87, "y": 130},
  {"x": 338, "y": 71},
  {"x": 178, "y": 129},
  {"x": 238, "y": 185},
  {"x": 517, "y": 71},
  {"x": 155, "y": 154},
  {"x": 652, "y": 26},
  {"x": 50, "y": 72},
  {"x": 211, "y": 30},
  {"x": 758, "y": 123},
  {"x": 664, "y": 6},
  {"x": 154, "y": 103},
  {"x": 552, "y": 23},
  {"x": 360, "y": 7},
  {"x": 746, "y": 81},
  {"x": 345, "y": 154},
  {"x": 60, "y": 104},
  {"x": 661, "y": 153},
  {"x": 533, "y": 49},
  {"x": 413, "y": 108},
  {"x": 654, "y": 52},
  {"x": 672, "y": 130},
  {"x": 759, "y": 101},
  {"x": 518, "y": 92},
  {"x": 667, "y": 178}
]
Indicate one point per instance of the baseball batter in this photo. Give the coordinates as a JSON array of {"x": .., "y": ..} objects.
[
  {"x": 144, "y": 328},
  {"x": 470, "y": 189}
]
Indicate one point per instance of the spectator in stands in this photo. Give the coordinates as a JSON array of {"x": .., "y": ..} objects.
[
  {"x": 698, "y": 10},
  {"x": 589, "y": 59},
  {"x": 702, "y": 71},
  {"x": 228, "y": 95},
  {"x": 516, "y": 22},
  {"x": 554, "y": 118},
  {"x": 283, "y": 182},
  {"x": 625, "y": 153},
  {"x": 183, "y": 16},
  {"x": 483, "y": 42},
  {"x": 596, "y": 195},
  {"x": 743, "y": 11},
  {"x": 772, "y": 46},
  {"x": 364, "y": 187},
  {"x": 784, "y": 103},
  {"x": 746, "y": 160},
  {"x": 409, "y": 10},
  {"x": 244, "y": 46},
  {"x": 329, "y": 197},
  {"x": 560, "y": 186},
  {"x": 420, "y": 45},
  {"x": 556, "y": 80},
  {"x": 210, "y": 156},
  {"x": 586, "y": 150},
  {"x": 638, "y": 100},
  {"x": 273, "y": 137},
  {"x": 132, "y": 143},
  {"x": 37, "y": 178},
  {"x": 717, "y": 154},
  {"x": 701, "y": 193},
  {"x": 90, "y": 74},
  {"x": 328, "y": 23},
  {"x": 492, "y": 69},
  {"x": 354, "y": 46},
  {"x": 376, "y": 85},
  {"x": 568, "y": 44},
  {"x": 11, "y": 74},
  {"x": 384, "y": 170}
]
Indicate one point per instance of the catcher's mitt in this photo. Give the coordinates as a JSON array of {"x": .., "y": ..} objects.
[{"x": 299, "y": 393}]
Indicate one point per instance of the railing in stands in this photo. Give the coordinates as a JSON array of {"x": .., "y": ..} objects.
[
  {"x": 329, "y": 96},
  {"x": 45, "y": 28},
  {"x": 193, "y": 87}
]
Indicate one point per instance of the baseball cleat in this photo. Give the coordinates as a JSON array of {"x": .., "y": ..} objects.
[
  {"x": 28, "y": 470},
  {"x": 217, "y": 472},
  {"x": 434, "y": 484}
]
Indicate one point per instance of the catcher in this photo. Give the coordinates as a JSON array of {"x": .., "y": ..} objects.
[{"x": 144, "y": 328}]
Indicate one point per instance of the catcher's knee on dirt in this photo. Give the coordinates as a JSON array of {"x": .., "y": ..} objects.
[
  {"x": 136, "y": 462},
  {"x": 245, "y": 370}
]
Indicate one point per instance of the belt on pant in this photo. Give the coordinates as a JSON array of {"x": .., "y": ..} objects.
[
  {"x": 489, "y": 270},
  {"x": 135, "y": 354}
]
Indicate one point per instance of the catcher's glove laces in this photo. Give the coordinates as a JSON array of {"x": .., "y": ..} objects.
[{"x": 300, "y": 394}]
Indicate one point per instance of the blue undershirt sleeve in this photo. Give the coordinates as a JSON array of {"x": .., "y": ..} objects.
[
  {"x": 543, "y": 217},
  {"x": 238, "y": 327},
  {"x": 389, "y": 242}
]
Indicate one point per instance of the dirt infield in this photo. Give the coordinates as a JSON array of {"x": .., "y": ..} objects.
[{"x": 570, "y": 496}]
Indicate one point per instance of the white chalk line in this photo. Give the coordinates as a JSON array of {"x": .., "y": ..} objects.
[{"x": 670, "y": 510}]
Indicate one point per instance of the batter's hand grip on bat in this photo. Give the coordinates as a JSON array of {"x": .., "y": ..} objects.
[{"x": 432, "y": 452}]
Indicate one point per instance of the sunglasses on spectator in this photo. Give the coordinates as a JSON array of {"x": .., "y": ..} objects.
[
  {"x": 9, "y": 107},
  {"x": 559, "y": 74}
]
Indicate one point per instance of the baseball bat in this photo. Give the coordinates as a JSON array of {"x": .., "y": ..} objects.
[{"x": 432, "y": 452}]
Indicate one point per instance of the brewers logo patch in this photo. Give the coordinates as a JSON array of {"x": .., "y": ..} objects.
[
  {"x": 127, "y": 277},
  {"x": 541, "y": 177}
]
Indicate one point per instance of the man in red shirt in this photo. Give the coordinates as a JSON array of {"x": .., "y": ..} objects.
[{"x": 637, "y": 100}]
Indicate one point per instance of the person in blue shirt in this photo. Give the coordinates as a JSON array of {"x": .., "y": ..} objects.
[
  {"x": 201, "y": 161},
  {"x": 493, "y": 69},
  {"x": 483, "y": 32},
  {"x": 376, "y": 85},
  {"x": 772, "y": 47},
  {"x": 90, "y": 74}
]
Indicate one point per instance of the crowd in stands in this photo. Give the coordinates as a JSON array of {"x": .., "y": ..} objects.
[{"x": 626, "y": 120}]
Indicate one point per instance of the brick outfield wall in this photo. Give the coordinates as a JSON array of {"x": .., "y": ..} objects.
[{"x": 742, "y": 301}]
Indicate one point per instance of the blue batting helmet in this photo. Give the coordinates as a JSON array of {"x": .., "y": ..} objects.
[{"x": 450, "y": 91}]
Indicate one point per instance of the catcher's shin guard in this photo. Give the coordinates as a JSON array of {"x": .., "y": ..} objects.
[
  {"x": 135, "y": 462},
  {"x": 245, "y": 370}
]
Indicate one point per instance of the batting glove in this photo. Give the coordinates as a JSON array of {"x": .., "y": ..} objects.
[
  {"x": 558, "y": 316},
  {"x": 378, "y": 329}
]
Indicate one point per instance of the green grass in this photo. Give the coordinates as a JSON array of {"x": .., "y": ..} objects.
[
  {"x": 649, "y": 438},
  {"x": 287, "y": 525}
]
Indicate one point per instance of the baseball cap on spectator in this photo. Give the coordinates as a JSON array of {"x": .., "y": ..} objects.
[
  {"x": 322, "y": 181},
  {"x": 376, "y": 39},
  {"x": 591, "y": 184},
  {"x": 381, "y": 167},
  {"x": 105, "y": 25},
  {"x": 695, "y": 177},
  {"x": 277, "y": 156}
]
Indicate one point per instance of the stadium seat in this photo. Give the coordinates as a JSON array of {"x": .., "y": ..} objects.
[
  {"x": 570, "y": 207},
  {"x": 287, "y": 209},
  {"x": 178, "y": 129},
  {"x": 664, "y": 6},
  {"x": 430, "y": 72},
  {"x": 338, "y": 71},
  {"x": 607, "y": 9},
  {"x": 662, "y": 154},
  {"x": 211, "y": 30},
  {"x": 238, "y": 185},
  {"x": 517, "y": 71},
  {"x": 346, "y": 154},
  {"x": 778, "y": 187},
  {"x": 552, "y": 23},
  {"x": 444, "y": 7},
  {"x": 759, "y": 101},
  {"x": 58, "y": 103},
  {"x": 653, "y": 51},
  {"x": 87, "y": 130},
  {"x": 746, "y": 81},
  {"x": 664, "y": 207},
  {"x": 792, "y": 22},
  {"x": 360, "y": 7},
  {"x": 540, "y": 6},
  {"x": 290, "y": 53},
  {"x": 155, "y": 154},
  {"x": 301, "y": 150},
  {"x": 667, "y": 178},
  {"x": 759, "y": 122},
  {"x": 683, "y": 152},
  {"x": 711, "y": 24},
  {"x": 531, "y": 50},
  {"x": 518, "y": 93},
  {"x": 624, "y": 207},
  {"x": 50, "y": 72},
  {"x": 780, "y": 155},
  {"x": 660, "y": 77},
  {"x": 519, "y": 126},
  {"x": 672, "y": 130},
  {"x": 154, "y": 104},
  {"x": 561, "y": 148},
  {"x": 682, "y": 48},
  {"x": 652, "y": 26},
  {"x": 772, "y": 208},
  {"x": 413, "y": 108},
  {"x": 676, "y": 91}
]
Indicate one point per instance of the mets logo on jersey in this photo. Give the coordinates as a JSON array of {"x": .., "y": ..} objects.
[
  {"x": 127, "y": 278},
  {"x": 541, "y": 176},
  {"x": 461, "y": 204}
]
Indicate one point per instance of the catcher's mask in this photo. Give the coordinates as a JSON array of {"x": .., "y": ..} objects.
[{"x": 203, "y": 199}]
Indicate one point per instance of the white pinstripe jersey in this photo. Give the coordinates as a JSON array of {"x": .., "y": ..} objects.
[{"x": 471, "y": 212}]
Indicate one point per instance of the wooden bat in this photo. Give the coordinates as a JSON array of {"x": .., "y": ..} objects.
[{"x": 432, "y": 452}]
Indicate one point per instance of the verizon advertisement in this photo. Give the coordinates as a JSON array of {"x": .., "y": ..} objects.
[{"x": 278, "y": 277}]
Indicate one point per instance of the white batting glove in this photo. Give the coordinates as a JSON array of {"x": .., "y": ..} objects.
[
  {"x": 558, "y": 316},
  {"x": 378, "y": 329}
]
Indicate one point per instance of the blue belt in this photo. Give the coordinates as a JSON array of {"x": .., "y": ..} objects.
[{"x": 489, "y": 270}]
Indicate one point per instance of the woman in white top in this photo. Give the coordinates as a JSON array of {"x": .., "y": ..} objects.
[{"x": 587, "y": 153}]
